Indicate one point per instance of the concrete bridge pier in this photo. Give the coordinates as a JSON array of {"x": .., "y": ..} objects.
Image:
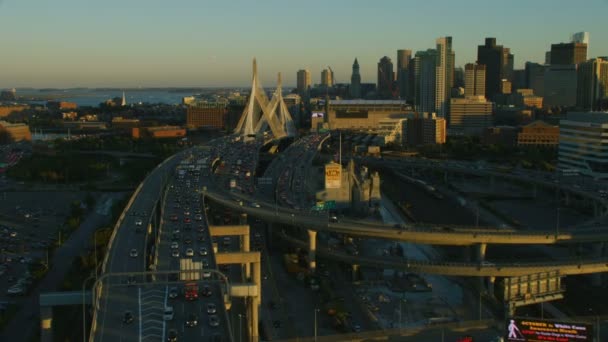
[
  {"x": 312, "y": 250},
  {"x": 490, "y": 283},
  {"x": 355, "y": 272},
  {"x": 598, "y": 252},
  {"x": 46, "y": 324},
  {"x": 481, "y": 252},
  {"x": 243, "y": 219}
]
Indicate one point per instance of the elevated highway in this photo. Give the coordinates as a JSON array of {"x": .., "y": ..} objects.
[
  {"x": 475, "y": 269},
  {"x": 415, "y": 233}
]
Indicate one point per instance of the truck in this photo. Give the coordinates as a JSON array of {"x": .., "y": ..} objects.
[{"x": 191, "y": 291}]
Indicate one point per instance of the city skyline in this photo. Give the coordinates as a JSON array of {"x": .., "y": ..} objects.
[{"x": 114, "y": 44}]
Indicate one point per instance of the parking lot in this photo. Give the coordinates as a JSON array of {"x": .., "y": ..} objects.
[{"x": 29, "y": 227}]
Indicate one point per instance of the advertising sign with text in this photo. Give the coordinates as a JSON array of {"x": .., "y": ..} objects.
[{"x": 536, "y": 330}]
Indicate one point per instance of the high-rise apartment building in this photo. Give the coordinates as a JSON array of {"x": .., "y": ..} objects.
[
  {"x": 592, "y": 83},
  {"x": 444, "y": 76},
  {"x": 581, "y": 147},
  {"x": 403, "y": 66},
  {"x": 568, "y": 53},
  {"x": 327, "y": 78},
  {"x": 304, "y": 81},
  {"x": 426, "y": 130},
  {"x": 207, "y": 115},
  {"x": 355, "y": 81},
  {"x": 498, "y": 62},
  {"x": 474, "y": 80},
  {"x": 386, "y": 78},
  {"x": 425, "y": 64}
]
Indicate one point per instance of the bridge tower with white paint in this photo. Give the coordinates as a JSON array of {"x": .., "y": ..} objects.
[{"x": 260, "y": 113}]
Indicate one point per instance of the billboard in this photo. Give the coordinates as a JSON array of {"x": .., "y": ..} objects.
[
  {"x": 532, "y": 330},
  {"x": 333, "y": 176}
]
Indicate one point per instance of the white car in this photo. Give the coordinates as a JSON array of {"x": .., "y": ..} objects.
[
  {"x": 211, "y": 308},
  {"x": 138, "y": 222},
  {"x": 198, "y": 217},
  {"x": 15, "y": 291},
  {"x": 174, "y": 245},
  {"x": 175, "y": 253},
  {"x": 255, "y": 205},
  {"x": 202, "y": 251},
  {"x": 133, "y": 253},
  {"x": 189, "y": 252},
  {"x": 168, "y": 313}
]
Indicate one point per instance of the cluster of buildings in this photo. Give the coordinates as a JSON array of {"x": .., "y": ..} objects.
[{"x": 474, "y": 101}]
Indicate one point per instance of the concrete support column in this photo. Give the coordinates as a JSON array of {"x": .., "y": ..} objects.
[
  {"x": 491, "y": 281},
  {"x": 46, "y": 324},
  {"x": 254, "y": 306},
  {"x": 243, "y": 219},
  {"x": 246, "y": 242},
  {"x": 481, "y": 252},
  {"x": 312, "y": 249},
  {"x": 467, "y": 253},
  {"x": 598, "y": 252},
  {"x": 355, "y": 272}
]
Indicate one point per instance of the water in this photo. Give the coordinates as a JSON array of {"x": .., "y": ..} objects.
[{"x": 93, "y": 97}]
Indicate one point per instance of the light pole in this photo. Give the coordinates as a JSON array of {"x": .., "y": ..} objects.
[
  {"x": 240, "y": 328},
  {"x": 316, "y": 310}
]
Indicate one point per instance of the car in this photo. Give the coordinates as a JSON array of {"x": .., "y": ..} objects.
[
  {"x": 206, "y": 291},
  {"x": 188, "y": 241},
  {"x": 138, "y": 222},
  {"x": 206, "y": 274},
  {"x": 172, "y": 335},
  {"x": 211, "y": 308},
  {"x": 333, "y": 218},
  {"x": 133, "y": 253},
  {"x": 168, "y": 313},
  {"x": 254, "y": 205},
  {"x": 214, "y": 321},
  {"x": 175, "y": 253},
  {"x": 189, "y": 252},
  {"x": 127, "y": 317},
  {"x": 202, "y": 251},
  {"x": 201, "y": 238},
  {"x": 173, "y": 293},
  {"x": 201, "y": 228},
  {"x": 173, "y": 218},
  {"x": 205, "y": 263},
  {"x": 131, "y": 280},
  {"x": 187, "y": 213},
  {"x": 15, "y": 290},
  {"x": 198, "y": 217},
  {"x": 192, "y": 320},
  {"x": 174, "y": 245},
  {"x": 187, "y": 220}
]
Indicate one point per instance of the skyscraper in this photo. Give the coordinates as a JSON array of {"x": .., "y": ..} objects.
[
  {"x": 474, "y": 80},
  {"x": 355, "y": 81},
  {"x": 592, "y": 83},
  {"x": 327, "y": 78},
  {"x": 493, "y": 57},
  {"x": 507, "y": 65},
  {"x": 304, "y": 81},
  {"x": 403, "y": 63},
  {"x": 560, "y": 86},
  {"x": 580, "y": 37},
  {"x": 535, "y": 77},
  {"x": 425, "y": 65},
  {"x": 568, "y": 53},
  {"x": 386, "y": 78},
  {"x": 444, "y": 78}
]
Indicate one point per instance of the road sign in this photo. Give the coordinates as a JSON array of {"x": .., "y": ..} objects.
[{"x": 333, "y": 176}]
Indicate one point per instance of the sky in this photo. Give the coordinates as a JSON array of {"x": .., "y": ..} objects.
[{"x": 205, "y": 43}]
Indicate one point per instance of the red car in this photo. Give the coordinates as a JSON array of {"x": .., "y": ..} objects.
[
  {"x": 173, "y": 217},
  {"x": 187, "y": 220}
]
